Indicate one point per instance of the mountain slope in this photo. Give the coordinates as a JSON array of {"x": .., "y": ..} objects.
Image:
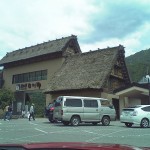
[{"x": 138, "y": 65}]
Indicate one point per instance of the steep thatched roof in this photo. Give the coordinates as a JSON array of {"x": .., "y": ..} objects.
[
  {"x": 86, "y": 70},
  {"x": 45, "y": 48}
]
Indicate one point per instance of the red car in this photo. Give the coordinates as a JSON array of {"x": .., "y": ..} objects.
[
  {"x": 69, "y": 146},
  {"x": 49, "y": 112}
]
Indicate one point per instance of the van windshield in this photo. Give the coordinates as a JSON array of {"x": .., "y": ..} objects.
[
  {"x": 58, "y": 102},
  {"x": 105, "y": 103}
]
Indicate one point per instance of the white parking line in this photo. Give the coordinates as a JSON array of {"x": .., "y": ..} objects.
[
  {"x": 33, "y": 123},
  {"x": 102, "y": 135},
  {"x": 89, "y": 132},
  {"x": 40, "y": 130}
]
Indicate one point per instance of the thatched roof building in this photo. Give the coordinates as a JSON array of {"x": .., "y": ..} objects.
[
  {"x": 47, "y": 50},
  {"x": 89, "y": 70}
]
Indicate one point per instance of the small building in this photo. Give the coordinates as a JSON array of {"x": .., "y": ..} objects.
[
  {"x": 133, "y": 94},
  {"x": 45, "y": 71},
  {"x": 27, "y": 71}
]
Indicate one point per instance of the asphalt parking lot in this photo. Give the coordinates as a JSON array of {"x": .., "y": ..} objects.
[{"x": 40, "y": 130}]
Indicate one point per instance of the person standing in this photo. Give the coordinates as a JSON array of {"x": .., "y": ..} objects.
[
  {"x": 23, "y": 113},
  {"x": 31, "y": 112},
  {"x": 6, "y": 113},
  {"x": 9, "y": 112}
]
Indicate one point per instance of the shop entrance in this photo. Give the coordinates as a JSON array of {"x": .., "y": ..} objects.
[{"x": 116, "y": 105}]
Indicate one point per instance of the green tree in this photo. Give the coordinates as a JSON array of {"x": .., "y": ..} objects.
[
  {"x": 6, "y": 97},
  {"x": 138, "y": 65}
]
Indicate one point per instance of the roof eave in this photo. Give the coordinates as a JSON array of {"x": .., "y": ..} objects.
[
  {"x": 72, "y": 90},
  {"x": 27, "y": 60}
]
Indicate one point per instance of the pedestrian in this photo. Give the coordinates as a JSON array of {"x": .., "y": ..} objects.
[
  {"x": 31, "y": 112},
  {"x": 6, "y": 113},
  {"x": 9, "y": 112},
  {"x": 23, "y": 113}
]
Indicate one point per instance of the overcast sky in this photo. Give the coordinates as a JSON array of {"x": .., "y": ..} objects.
[{"x": 97, "y": 23}]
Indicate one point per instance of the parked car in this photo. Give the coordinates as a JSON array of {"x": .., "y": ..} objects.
[
  {"x": 74, "y": 110},
  {"x": 139, "y": 115},
  {"x": 49, "y": 112}
]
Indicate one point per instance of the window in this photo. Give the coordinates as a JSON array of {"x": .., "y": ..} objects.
[
  {"x": 90, "y": 103},
  {"x": 20, "y": 78},
  {"x": 30, "y": 76},
  {"x": 105, "y": 103},
  {"x": 38, "y": 75},
  {"x": 43, "y": 74},
  {"x": 26, "y": 77},
  {"x": 73, "y": 103},
  {"x": 15, "y": 79},
  {"x": 146, "y": 108}
]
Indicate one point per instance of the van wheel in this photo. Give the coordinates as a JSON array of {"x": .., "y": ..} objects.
[
  {"x": 144, "y": 123},
  {"x": 105, "y": 121},
  {"x": 94, "y": 123},
  {"x": 128, "y": 124},
  {"x": 66, "y": 123},
  {"x": 75, "y": 120}
]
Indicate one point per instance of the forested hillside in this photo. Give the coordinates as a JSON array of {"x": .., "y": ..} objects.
[{"x": 138, "y": 65}]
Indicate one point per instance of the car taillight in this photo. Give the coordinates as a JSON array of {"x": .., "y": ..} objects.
[
  {"x": 61, "y": 112},
  {"x": 52, "y": 108},
  {"x": 134, "y": 113}
]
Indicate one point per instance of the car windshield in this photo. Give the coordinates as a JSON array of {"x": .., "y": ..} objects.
[{"x": 75, "y": 71}]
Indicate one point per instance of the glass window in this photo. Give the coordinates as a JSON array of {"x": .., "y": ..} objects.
[
  {"x": 15, "y": 79},
  {"x": 146, "y": 108},
  {"x": 90, "y": 103},
  {"x": 20, "y": 78},
  {"x": 26, "y": 77},
  {"x": 73, "y": 102},
  {"x": 105, "y": 103},
  {"x": 32, "y": 76},
  {"x": 44, "y": 75},
  {"x": 38, "y": 75}
]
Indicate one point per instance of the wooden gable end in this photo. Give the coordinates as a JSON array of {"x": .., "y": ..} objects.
[
  {"x": 119, "y": 76},
  {"x": 71, "y": 48},
  {"x": 116, "y": 78}
]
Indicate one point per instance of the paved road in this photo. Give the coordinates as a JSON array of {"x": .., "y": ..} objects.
[{"x": 23, "y": 131}]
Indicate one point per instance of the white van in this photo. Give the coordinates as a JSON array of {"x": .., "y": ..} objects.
[{"x": 74, "y": 110}]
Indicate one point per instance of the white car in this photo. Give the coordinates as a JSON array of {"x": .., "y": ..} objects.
[{"x": 139, "y": 115}]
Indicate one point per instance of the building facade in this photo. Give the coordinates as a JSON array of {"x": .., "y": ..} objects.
[
  {"x": 41, "y": 73},
  {"x": 27, "y": 71},
  {"x": 95, "y": 73},
  {"x": 133, "y": 94}
]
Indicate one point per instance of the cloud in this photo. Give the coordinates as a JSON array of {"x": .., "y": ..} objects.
[
  {"x": 138, "y": 40},
  {"x": 97, "y": 24},
  {"x": 117, "y": 19},
  {"x": 30, "y": 22}
]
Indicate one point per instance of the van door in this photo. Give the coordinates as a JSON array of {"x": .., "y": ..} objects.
[
  {"x": 91, "y": 111},
  {"x": 73, "y": 106}
]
